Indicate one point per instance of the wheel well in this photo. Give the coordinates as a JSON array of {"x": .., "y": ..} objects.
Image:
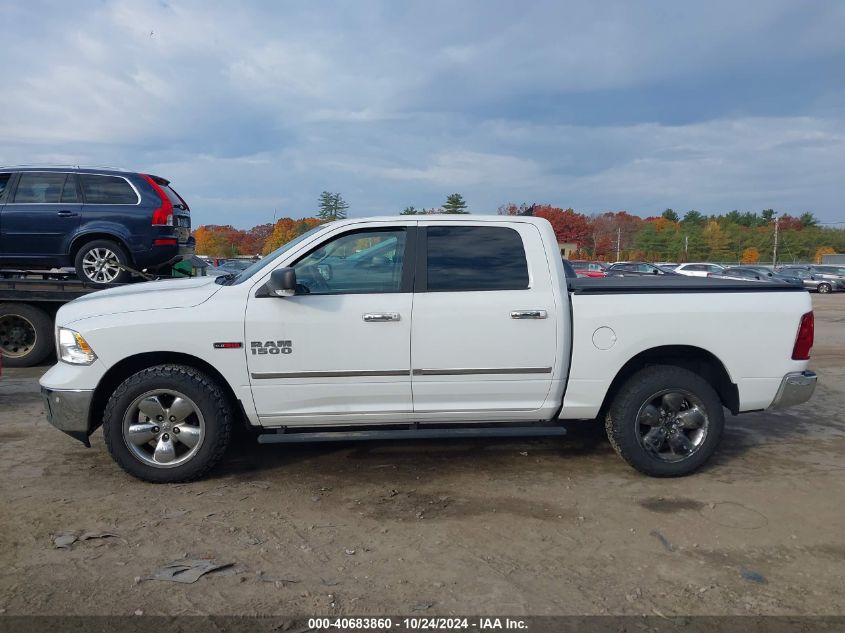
[
  {"x": 80, "y": 240},
  {"x": 133, "y": 364},
  {"x": 694, "y": 359}
]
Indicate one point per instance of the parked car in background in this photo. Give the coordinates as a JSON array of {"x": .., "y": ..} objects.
[
  {"x": 752, "y": 273},
  {"x": 698, "y": 269},
  {"x": 835, "y": 274},
  {"x": 585, "y": 268},
  {"x": 811, "y": 280},
  {"x": 235, "y": 265},
  {"x": 635, "y": 269},
  {"x": 667, "y": 265},
  {"x": 829, "y": 269},
  {"x": 99, "y": 221}
]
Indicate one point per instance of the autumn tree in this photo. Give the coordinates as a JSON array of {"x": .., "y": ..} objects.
[
  {"x": 217, "y": 241},
  {"x": 252, "y": 241},
  {"x": 821, "y": 252},
  {"x": 612, "y": 230},
  {"x": 569, "y": 226},
  {"x": 287, "y": 229},
  {"x": 331, "y": 207},
  {"x": 750, "y": 256},
  {"x": 455, "y": 204}
]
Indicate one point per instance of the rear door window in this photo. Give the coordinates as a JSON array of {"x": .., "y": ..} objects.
[
  {"x": 39, "y": 187},
  {"x": 70, "y": 192},
  {"x": 107, "y": 190},
  {"x": 475, "y": 258},
  {"x": 4, "y": 181}
]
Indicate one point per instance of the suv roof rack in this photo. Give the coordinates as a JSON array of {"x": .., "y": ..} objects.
[{"x": 58, "y": 166}]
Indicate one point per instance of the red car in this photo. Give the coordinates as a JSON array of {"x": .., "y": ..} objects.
[{"x": 584, "y": 268}]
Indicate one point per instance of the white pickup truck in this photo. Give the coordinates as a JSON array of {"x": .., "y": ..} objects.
[{"x": 421, "y": 327}]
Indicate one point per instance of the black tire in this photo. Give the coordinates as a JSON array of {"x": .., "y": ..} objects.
[
  {"x": 106, "y": 275},
  {"x": 26, "y": 334},
  {"x": 824, "y": 288},
  {"x": 208, "y": 396},
  {"x": 649, "y": 385}
]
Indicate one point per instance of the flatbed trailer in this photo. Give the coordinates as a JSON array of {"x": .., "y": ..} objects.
[{"x": 29, "y": 301}]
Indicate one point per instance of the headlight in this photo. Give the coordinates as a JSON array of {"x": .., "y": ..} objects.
[{"x": 74, "y": 349}]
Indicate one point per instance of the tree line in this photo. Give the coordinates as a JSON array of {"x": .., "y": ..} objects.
[{"x": 736, "y": 236}]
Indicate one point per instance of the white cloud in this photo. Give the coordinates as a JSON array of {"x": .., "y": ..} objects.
[{"x": 253, "y": 106}]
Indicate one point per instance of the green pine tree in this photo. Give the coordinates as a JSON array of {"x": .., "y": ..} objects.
[
  {"x": 669, "y": 214},
  {"x": 411, "y": 211},
  {"x": 455, "y": 204},
  {"x": 331, "y": 206}
]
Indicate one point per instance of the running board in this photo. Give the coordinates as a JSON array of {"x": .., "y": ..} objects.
[{"x": 411, "y": 434}]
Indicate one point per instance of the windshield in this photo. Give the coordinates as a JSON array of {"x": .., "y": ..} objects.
[{"x": 261, "y": 263}]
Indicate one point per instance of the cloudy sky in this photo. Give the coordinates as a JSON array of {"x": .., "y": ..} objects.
[{"x": 256, "y": 107}]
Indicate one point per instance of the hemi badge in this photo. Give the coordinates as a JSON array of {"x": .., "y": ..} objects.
[{"x": 228, "y": 345}]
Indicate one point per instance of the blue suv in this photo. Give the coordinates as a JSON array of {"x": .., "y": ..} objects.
[{"x": 98, "y": 221}]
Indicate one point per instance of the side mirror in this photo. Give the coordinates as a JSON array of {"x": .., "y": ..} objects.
[
  {"x": 282, "y": 282},
  {"x": 655, "y": 272}
]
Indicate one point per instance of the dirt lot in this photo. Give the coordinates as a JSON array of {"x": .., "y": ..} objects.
[{"x": 439, "y": 527}]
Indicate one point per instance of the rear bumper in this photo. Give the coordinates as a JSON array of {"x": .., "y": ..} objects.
[
  {"x": 69, "y": 411},
  {"x": 795, "y": 388}
]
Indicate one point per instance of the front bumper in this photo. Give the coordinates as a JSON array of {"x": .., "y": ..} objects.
[
  {"x": 69, "y": 411},
  {"x": 795, "y": 388}
]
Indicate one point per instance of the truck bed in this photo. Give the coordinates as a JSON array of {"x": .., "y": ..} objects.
[{"x": 671, "y": 285}]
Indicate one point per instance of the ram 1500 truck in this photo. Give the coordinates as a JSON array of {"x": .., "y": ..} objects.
[{"x": 420, "y": 327}]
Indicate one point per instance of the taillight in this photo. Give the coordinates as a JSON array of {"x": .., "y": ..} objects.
[
  {"x": 163, "y": 215},
  {"x": 804, "y": 340}
]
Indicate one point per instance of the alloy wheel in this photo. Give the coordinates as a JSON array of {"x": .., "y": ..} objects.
[
  {"x": 101, "y": 265},
  {"x": 672, "y": 425},
  {"x": 163, "y": 428}
]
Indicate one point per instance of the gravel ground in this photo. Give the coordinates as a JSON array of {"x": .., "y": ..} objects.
[{"x": 558, "y": 526}]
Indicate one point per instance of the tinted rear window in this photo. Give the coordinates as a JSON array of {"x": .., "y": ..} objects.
[
  {"x": 4, "y": 180},
  {"x": 107, "y": 190},
  {"x": 475, "y": 258},
  {"x": 174, "y": 198}
]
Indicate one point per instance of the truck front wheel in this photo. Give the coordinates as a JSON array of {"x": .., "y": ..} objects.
[
  {"x": 665, "y": 421},
  {"x": 167, "y": 424}
]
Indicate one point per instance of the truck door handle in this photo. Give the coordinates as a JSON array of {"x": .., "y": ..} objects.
[
  {"x": 528, "y": 314},
  {"x": 66, "y": 214},
  {"x": 378, "y": 317}
]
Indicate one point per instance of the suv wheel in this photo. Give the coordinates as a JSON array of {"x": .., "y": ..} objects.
[{"x": 101, "y": 262}]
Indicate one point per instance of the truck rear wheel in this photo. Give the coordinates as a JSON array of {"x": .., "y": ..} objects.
[
  {"x": 167, "y": 424},
  {"x": 665, "y": 421},
  {"x": 26, "y": 334}
]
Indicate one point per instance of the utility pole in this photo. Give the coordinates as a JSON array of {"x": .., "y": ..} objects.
[
  {"x": 775, "y": 250},
  {"x": 618, "y": 242}
]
